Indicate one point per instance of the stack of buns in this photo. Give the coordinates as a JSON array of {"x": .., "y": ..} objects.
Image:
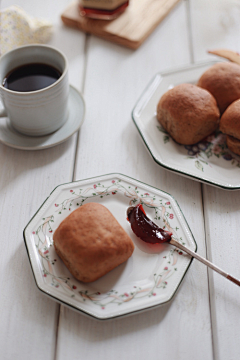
[{"x": 189, "y": 113}]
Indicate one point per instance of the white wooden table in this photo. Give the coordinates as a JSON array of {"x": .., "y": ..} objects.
[{"x": 203, "y": 319}]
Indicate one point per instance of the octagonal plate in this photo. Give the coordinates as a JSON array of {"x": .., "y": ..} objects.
[
  {"x": 209, "y": 161},
  {"x": 149, "y": 278}
]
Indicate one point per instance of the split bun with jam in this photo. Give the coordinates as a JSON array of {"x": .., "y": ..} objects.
[
  {"x": 222, "y": 80},
  {"x": 91, "y": 242},
  {"x": 188, "y": 113},
  {"x": 230, "y": 125}
]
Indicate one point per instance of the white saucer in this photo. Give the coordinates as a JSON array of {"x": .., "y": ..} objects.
[{"x": 10, "y": 137}]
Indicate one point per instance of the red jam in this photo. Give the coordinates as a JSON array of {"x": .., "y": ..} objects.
[
  {"x": 104, "y": 13},
  {"x": 146, "y": 229}
]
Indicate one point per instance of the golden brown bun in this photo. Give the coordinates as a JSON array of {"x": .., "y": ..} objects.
[
  {"x": 230, "y": 120},
  {"x": 91, "y": 242},
  {"x": 222, "y": 80},
  {"x": 188, "y": 113},
  {"x": 230, "y": 125},
  {"x": 233, "y": 144}
]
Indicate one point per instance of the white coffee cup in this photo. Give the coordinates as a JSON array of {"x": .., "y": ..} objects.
[{"x": 40, "y": 112}]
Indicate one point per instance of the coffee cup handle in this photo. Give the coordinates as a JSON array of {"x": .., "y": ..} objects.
[{"x": 3, "y": 113}]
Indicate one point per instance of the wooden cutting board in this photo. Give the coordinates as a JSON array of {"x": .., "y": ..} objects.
[{"x": 130, "y": 29}]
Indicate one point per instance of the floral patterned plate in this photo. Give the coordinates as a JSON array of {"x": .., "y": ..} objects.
[
  {"x": 209, "y": 161},
  {"x": 149, "y": 278}
]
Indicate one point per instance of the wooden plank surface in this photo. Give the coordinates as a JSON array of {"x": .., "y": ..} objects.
[
  {"x": 109, "y": 142},
  {"x": 130, "y": 29},
  {"x": 114, "y": 78},
  {"x": 219, "y": 27},
  {"x": 29, "y": 320}
]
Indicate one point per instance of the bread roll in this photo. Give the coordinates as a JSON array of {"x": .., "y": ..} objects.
[
  {"x": 230, "y": 120},
  {"x": 91, "y": 242},
  {"x": 188, "y": 113},
  {"x": 233, "y": 144},
  {"x": 222, "y": 80},
  {"x": 230, "y": 125}
]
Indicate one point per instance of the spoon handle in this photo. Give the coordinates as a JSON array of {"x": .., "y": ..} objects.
[{"x": 204, "y": 261}]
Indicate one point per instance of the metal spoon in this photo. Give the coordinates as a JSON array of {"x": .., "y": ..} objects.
[{"x": 176, "y": 243}]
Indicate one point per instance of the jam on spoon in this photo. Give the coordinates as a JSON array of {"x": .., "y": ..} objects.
[
  {"x": 144, "y": 228},
  {"x": 149, "y": 232}
]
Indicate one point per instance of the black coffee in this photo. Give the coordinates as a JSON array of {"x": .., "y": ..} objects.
[{"x": 31, "y": 77}]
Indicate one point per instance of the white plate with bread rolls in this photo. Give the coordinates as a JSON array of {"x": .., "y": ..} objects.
[
  {"x": 84, "y": 254},
  {"x": 187, "y": 125}
]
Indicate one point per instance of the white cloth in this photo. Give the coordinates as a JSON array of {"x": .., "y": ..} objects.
[{"x": 18, "y": 28}]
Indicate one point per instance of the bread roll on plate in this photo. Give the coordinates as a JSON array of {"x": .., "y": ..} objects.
[
  {"x": 91, "y": 242},
  {"x": 222, "y": 80},
  {"x": 233, "y": 144},
  {"x": 188, "y": 113},
  {"x": 230, "y": 125}
]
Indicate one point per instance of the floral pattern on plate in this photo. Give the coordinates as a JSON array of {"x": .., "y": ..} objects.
[
  {"x": 150, "y": 278},
  {"x": 212, "y": 145}
]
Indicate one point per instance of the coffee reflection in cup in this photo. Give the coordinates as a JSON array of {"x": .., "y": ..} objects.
[{"x": 34, "y": 89}]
